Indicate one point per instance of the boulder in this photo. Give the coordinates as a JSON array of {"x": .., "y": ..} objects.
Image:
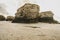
[
  {"x": 9, "y": 18},
  {"x": 46, "y": 16},
  {"x": 27, "y": 13},
  {"x": 2, "y": 18}
]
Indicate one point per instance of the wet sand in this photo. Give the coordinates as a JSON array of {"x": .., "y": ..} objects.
[{"x": 35, "y": 31}]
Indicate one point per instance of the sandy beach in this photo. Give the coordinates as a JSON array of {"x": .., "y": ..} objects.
[{"x": 34, "y": 31}]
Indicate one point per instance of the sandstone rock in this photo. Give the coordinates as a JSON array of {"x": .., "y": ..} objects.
[
  {"x": 2, "y": 18},
  {"x": 10, "y": 18},
  {"x": 28, "y": 13},
  {"x": 46, "y": 16}
]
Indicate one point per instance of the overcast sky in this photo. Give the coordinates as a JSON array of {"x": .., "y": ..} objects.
[{"x": 45, "y": 5}]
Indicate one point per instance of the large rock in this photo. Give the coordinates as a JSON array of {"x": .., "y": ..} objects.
[
  {"x": 27, "y": 13},
  {"x": 46, "y": 16},
  {"x": 9, "y": 18},
  {"x": 2, "y": 18}
]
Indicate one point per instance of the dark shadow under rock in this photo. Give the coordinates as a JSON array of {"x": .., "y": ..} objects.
[
  {"x": 46, "y": 19},
  {"x": 23, "y": 20},
  {"x": 32, "y": 26}
]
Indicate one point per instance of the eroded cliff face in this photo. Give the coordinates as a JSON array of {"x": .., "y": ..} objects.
[
  {"x": 47, "y": 16},
  {"x": 28, "y": 11}
]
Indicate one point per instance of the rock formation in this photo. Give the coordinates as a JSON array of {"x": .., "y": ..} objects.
[
  {"x": 47, "y": 16},
  {"x": 9, "y": 18},
  {"x": 27, "y": 13},
  {"x": 2, "y": 18}
]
